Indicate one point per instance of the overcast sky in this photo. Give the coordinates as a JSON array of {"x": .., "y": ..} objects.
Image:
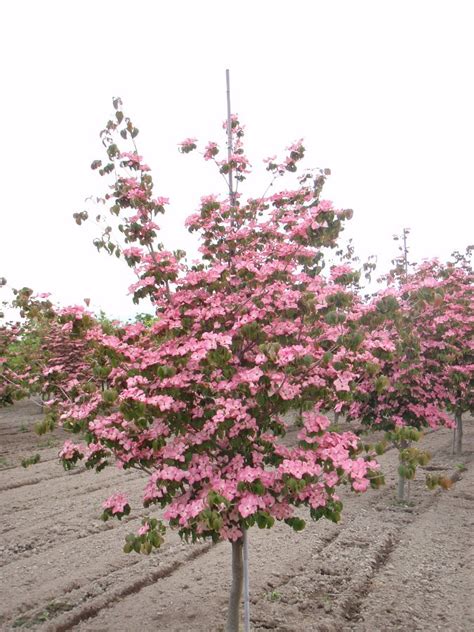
[{"x": 381, "y": 91}]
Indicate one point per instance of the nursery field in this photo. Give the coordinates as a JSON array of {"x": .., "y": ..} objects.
[{"x": 384, "y": 567}]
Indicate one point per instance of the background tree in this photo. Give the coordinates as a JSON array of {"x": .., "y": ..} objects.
[
  {"x": 446, "y": 326},
  {"x": 424, "y": 321}
]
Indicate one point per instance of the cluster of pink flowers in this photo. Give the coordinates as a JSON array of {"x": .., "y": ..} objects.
[
  {"x": 116, "y": 503},
  {"x": 296, "y": 153},
  {"x": 187, "y": 145},
  {"x": 69, "y": 450},
  {"x": 134, "y": 161},
  {"x": 211, "y": 151}
]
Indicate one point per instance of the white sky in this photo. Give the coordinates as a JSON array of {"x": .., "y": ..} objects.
[{"x": 381, "y": 91}]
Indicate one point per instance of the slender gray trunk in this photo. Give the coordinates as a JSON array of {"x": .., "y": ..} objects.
[
  {"x": 458, "y": 434},
  {"x": 401, "y": 488},
  {"x": 401, "y": 479},
  {"x": 246, "y": 582},
  {"x": 233, "y": 614}
]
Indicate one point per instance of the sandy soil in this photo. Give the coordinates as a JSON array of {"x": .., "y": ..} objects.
[{"x": 382, "y": 568}]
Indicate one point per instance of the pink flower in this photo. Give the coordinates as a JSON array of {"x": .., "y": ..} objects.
[
  {"x": 231, "y": 533},
  {"x": 116, "y": 503},
  {"x": 187, "y": 145},
  {"x": 69, "y": 450},
  {"x": 248, "y": 505},
  {"x": 360, "y": 485},
  {"x": 144, "y": 529},
  {"x": 341, "y": 383},
  {"x": 210, "y": 151},
  {"x": 315, "y": 422}
]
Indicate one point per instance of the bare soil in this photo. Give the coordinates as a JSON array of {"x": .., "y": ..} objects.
[{"x": 384, "y": 567}]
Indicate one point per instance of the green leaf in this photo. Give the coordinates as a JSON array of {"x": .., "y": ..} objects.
[{"x": 297, "y": 524}]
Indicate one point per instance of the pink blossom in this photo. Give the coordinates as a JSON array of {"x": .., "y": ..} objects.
[
  {"x": 69, "y": 450},
  {"x": 116, "y": 503},
  {"x": 144, "y": 529}
]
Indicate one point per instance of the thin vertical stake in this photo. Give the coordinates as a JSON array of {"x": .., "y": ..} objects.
[
  {"x": 229, "y": 136},
  {"x": 232, "y": 201},
  {"x": 405, "y": 253},
  {"x": 246, "y": 584}
]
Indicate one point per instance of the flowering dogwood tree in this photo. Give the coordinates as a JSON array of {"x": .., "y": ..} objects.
[
  {"x": 44, "y": 353},
  {"x": 19, "y": 350},
  {"x": 198, "y": 399},
  {"x": 446, "y": 327},
  {"x": 421, "y": 333},
  {"x": 10, "y": 389}
]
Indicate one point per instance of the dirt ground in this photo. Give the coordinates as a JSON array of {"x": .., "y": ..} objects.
[{"x": 382, "y": 568}]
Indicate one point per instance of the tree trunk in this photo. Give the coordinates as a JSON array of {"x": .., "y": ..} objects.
[
  {"x": 233, "y": 615},
  {"x": 458, "y": 434},
  {"x": 246, "y": 582},
  {"x": 401, "y": 479},
  {"x": 401, "y": 488}
]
